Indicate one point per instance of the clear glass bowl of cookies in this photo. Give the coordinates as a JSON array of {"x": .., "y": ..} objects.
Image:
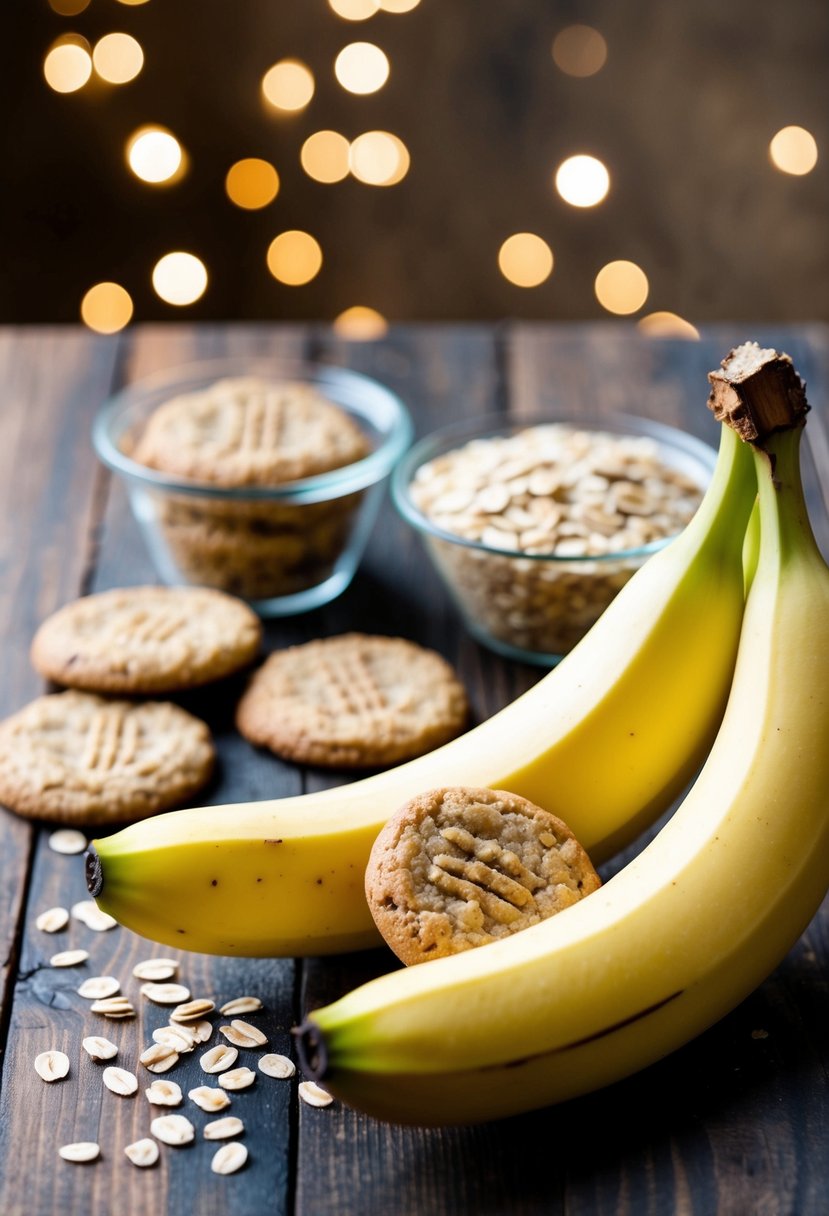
[
  {"x": 258, "y": 477},
  {"x": 535, "y": 526}
]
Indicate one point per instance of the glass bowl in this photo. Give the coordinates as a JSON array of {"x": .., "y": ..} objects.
[
  {"x": 284, "y": 548},
  {"x": 530, "y": 605}
]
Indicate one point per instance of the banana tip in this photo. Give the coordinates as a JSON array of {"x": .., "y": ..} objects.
[
  {"x": 313, "y": 1053},
  {"x": 94, "y": 872}
]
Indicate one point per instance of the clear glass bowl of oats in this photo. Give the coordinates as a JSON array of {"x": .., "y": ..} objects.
[
  {"x": 535, "y": 526},
  {"x": 258, "y": 477}
]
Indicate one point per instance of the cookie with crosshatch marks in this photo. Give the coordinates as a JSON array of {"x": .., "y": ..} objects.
[
  {"x": 250, "y": 432},
  {"x": 74, "y": 757},
  {"x": 354, "y": 701},
  {"x": 146, "y": 640},
  {"x": 457, "y": 868}
]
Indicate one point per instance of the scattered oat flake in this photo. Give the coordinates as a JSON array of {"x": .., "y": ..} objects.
[
  {"x": 99, "y": 1048},
  {"x": 52, "y": 1065},
  {"x": 164, "y": 1093},
  {"x": 67, "y": 840},
  {"x": 159, "y": 1058},
  {"x": 142, "y": 1153},
  {"x": 165, "y": 994},
  {"x": 69, "y": 958},
  {"x": 277, "y": 1066},
  {"x": 208, "y": 1098},
  {"x": 223, "y": 1129},
  {"x": 218, "y": 1059},
  {"x": 242, "y": 1004},
  {"x": 314, "y": 1094},
  {"x": 156, "y": 969},
  {"x": 242, "y": 1034},
  {"x": 191, "y": 1010},
  {"x": 253, "y": 1032},
  {"x": 201, "y": 1030},
  {"x": 99, "y": 986},
  {"x": 229, "y": 1158},
  {"x": 180, "y": 1038},
  {"x": 120, "y": 1081},
  {"x": 52, "y": 920},
  {"x": 82, "y": 1150},
  {"x": 89, "y": 914},
  {"x": 173, "y": 1129},
  {"x": 114, "y": 1007},
  {"x": 237, "y": 1078}
]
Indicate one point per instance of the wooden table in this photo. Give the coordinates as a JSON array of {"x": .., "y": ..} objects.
[{"x": 735, "y": 1123}]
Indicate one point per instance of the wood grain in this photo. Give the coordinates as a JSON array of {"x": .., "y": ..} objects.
[{"x": 736, "y": 1122}]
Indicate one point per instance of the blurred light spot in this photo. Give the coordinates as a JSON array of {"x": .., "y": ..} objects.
[
  {"x": 361, "y": 67},
  {"x": 793, "y": 150},
  {"x": 525, "y": 259},
  {"x": 68, "y": 8},
  {"x": 667, "y": 325},
  {"x": 288, "y": 85},
  {"x": 294, "y": 258},
  {"x": 132, "y": 3},
  {"x": 361, "y": 324},
  {"x": 68, "y": 64},
  {"x": 582, "y": 181},
  {"x": 579, "y": 50},
  {"x": 378, "y": 158},
  {"x": 252, "y": 183},
  {"x": 118, "y": 58},
  {"x": 398, "y": 6},
  {"x": 324, "y": 156},
  {"x": 106, "y": 308},
  {"x": 155, "y": 155},
  {"x": 180, "y": 278},
  {"x": 621, "y": 287},
  {"x": 355, "y": 10}
]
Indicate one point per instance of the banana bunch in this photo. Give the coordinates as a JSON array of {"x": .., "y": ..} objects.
[
  {"x": 606, "y": 741},
  {"x": 686, "y": 930}
]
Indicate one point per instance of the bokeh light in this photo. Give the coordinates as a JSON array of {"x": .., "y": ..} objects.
[
  {"x": 324, "y": 156},
  {"x": 579, "y": 50},
  {"x": 361, "y": 324},
  {"x": 180, "y": 278},
  {"x": 68, "y": 64},
  {"x": 252, "y": 183},
  {"x": 106, "y": 308},
  {"x": 294, "y": 258},
  {"x": 621, "y": 287},
  {"x": 355, "y": 10},
  {"x": 361, "y": 67},
  {"x": 793, "y": 150},
  {"x": 118, "y": 58},
  {"x": 155, "y": 155},
  {"x": 398, "y": 6},
  {"x": 667, "y": 325},
  {"x": 582, "y": 181},
  {"x": 378, "y": 158},
  {"x": 525, "y": 259},
  {"x": 68, "y": 8},
  {"x": 132, "y": 3},
  {"x": 288, "y": 85}
]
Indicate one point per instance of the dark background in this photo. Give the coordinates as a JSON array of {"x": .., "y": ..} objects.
[{"x": 682, "y": 114}]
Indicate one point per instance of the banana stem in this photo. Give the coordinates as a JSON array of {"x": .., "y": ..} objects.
[{"x": 783, "y": 511}]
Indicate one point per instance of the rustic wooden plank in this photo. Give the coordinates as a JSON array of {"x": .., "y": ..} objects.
[
  {"x": 51, "y": 380},
  {"x": 48, "y": 1012}
]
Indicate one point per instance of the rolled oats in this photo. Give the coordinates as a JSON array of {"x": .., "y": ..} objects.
[
  {"x": 69, "y": 958},
  {"x": 242, "y": 1004},
  {"x": 191, "y": 1011},
  {"x": 218, "y": 1059},
  {"x": 142, "y": 1153},
  {"x": 120, "y": 1081},
  {"x": 52, "y": 1065},
  {"x": 99, "y": 1048},
  {"x": 314, "y": 1094},
  {"x": 582, "y": 500},
  {"x": 159, "y": 1058},
  {"x": 80, "y": 1151},
  {"x": 229, "y": 1158},
  {"x": 276, "y": 1066},
  {"x": 208, "y": 1098},
  {"x": 173, "y": 1129},
  {"x": 89, "y": 914},
  {"x": 237, "y": 1078},
  {"x": 164, "y": 1093},
  {"x": 99, "y": 986},
  {"x": 52, "y": 920},
  {"x": 156, "y": 969},
  {"x": 180, "y": 1038},
  {"x": 242, "y": 1034},
  {"x": 223, "y": 1129},
  {"x": 67, "y": 840},
  {"x": 165, "y": 994},
  {"x": 115, "y": 1007}
]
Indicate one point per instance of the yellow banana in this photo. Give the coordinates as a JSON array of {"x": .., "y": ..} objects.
[
  {"x": 673, "y": 941},
  {"x": 607, "y": 741}
]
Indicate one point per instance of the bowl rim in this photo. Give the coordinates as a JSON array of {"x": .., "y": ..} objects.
[
  {"x": 492, "y": 425},
  {"x": 352, "y": 387}
]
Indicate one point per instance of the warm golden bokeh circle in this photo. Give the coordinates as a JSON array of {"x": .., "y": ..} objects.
[
  {"x": 180, "y": 278},
  {"x": 379, "y": 158},
  {"x": 324, "y": 156},
  {"x": 118, "y": 58},
  {"x": 294, "y": 258},
  {"x": 252, "y": 183},
  {"x": 793, "y": 150},
  {"x": 155, "y": 155},
  {"x": 582, "y": 181},
  {"x": 361, "y": 67},
  {"x": 525, "y": 260},
  {"x": 106, "y": 308},
  {"x": 621, "y": 287},
  {"x": 68, "y": 64},
  {"x": 579, "y": 50},
  {"x": 361, "y": 324},
  {"x": 288, "y": 85},
  {"x": 667, "y": 325}
]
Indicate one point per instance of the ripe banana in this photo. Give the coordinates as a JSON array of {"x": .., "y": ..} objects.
[
  {"x": 673, "y": 941},
  {"x": 607, "y": 741}
]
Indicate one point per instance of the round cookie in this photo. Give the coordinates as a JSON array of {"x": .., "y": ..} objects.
[
  {"x": 146, "y": 640},
  {"x": 458, "y": 868},
  {"x": 250, "y": 432},
  {"x": 77, "y": 758},
  {"x": 353, "y": 701}
]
